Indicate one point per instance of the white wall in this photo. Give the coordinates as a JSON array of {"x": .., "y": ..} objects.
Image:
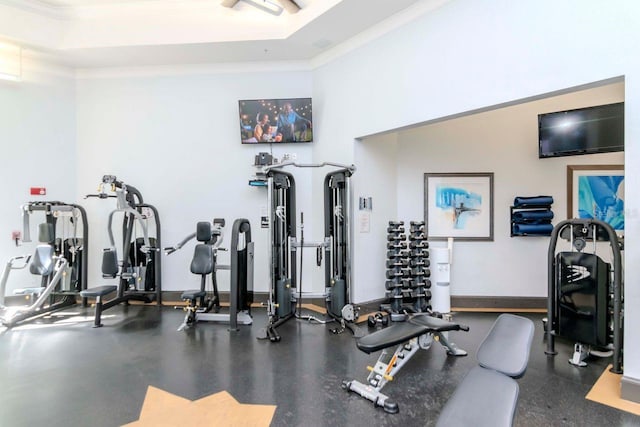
[
  {"x": 378, "y": 159},
  {"x": 37, "y": 130},
  {"x": 469, "y": 55},
  {"x": 177, "y": 140},
  {"x": 502, "y": 141}
]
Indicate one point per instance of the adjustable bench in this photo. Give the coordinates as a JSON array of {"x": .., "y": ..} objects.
[
  {"x": 416, "y": 333},
  {"x": 488, "y": 394}
]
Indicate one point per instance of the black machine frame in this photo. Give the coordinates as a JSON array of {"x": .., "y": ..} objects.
[
  {"x": 131, "y": 203},
  {"x": 57, "y": 298},
  {"x": 204, "y": 307},
  {"x": 283, "y": 248},
  {"x": 580, "y": 233}
]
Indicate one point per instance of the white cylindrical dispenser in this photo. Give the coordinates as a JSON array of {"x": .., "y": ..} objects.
[{"x": 441, "y": 278}]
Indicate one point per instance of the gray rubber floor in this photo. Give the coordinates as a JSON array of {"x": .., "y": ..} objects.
[{"x": 63, "y": 372}]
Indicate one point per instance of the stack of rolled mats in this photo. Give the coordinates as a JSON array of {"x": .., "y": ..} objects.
[{"x": 535, "y": 216}]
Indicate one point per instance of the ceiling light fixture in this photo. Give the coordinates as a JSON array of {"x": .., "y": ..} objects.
[
  {"x": 267, "y": 5},
  {"x": 290, "y": 5}
]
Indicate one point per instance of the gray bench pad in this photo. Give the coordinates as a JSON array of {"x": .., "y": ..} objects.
[
  {"x": 507, "y": 346},
  {"x": 402, "y": 332},
  {"x": 98, "y": 291},
  {"x": 192, "y": 294},
  {"x": 484, "y": 398}
]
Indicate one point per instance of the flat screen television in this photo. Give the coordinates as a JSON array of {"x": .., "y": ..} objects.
[
  {"x": 582, "y": 131},
  {"x": 266, "y": 121}
]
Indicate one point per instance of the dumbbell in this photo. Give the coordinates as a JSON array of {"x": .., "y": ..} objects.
[
  {"x": 377, "y": 319},
  {"x": 419, "y": 244},
  {"x": 398, "y": 262},
  {"x": 396, "y": 237},
  {"x": 395, "y": 229},
  {"x": 419, "y": 262},
  {"x": 397, "y": 245}
]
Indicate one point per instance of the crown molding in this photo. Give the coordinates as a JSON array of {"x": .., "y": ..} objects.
[{"x": 191, "y": 69}]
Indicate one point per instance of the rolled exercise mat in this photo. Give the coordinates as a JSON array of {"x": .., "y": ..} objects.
[
  {"x": 541, "y": 229},
  {"x": 533, "y": 201},
  {"x": 533, "y": 216}
]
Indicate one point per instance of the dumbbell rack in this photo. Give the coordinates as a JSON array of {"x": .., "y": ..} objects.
[
  {"x": 419, "y": 282},
  {"x": 397, "y": 265},
  {"x": 407, "y": 271}
]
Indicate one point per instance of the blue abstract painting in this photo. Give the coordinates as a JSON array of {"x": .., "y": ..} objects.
[
  {"x": 602, "y": 197},
  {"x": 459, "y": 206},
  {"x": 460, "y": 203}
]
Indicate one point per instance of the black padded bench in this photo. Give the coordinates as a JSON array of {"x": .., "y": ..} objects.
[
  {"x": 98, "y": 292},
  {"x": 192, "y": 295},
  {"x": 488, "y": 394},
  {"x": 416, "y": 333},
  {"x": 402, "y": 332}
]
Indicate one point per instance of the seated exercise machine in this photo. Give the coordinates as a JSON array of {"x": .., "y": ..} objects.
[
  {"x": 139, "y": 269},
  {"x": 488, "y": 394},
  {"x": 281, "y": 305},
  {"x": 44, "y": 264},
  {"x": 204, "y": 306},
  {"x": 59, "y": 260},
  {"x": 585, "y": 302},
  {"x": 417, "y": 332}
]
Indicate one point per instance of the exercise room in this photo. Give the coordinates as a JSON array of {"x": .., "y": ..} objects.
[{"x": 310, "y": 213}]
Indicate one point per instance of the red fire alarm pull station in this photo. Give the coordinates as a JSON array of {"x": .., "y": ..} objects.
[{"x": 38, "y": 191}]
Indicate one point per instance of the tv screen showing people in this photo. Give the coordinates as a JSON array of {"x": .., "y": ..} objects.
[{"x": 265, "y": 121}]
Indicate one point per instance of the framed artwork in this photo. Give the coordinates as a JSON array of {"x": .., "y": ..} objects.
[
  {"x": 596, "y": 192},
  {"x": 458, "y": 205}
]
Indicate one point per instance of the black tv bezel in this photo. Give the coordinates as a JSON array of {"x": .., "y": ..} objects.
[
  {"x": 597, "y": 150},
  {"x": 280, "y": 101}
]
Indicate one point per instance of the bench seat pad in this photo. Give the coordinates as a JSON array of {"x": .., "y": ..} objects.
[
  {"x": 401, "y": 332},
  {"x": 192, "y": 294},
  {"x": 485, "y": 398},
  {"x": 435, "y": 324},
  {"x": 395, "y": 334},
  {"x": 98, "y": 291}
]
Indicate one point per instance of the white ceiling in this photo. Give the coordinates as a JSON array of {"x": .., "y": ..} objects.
[{"x": 119, "y": 33}]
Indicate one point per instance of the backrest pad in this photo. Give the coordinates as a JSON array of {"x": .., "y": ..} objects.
[
  {"x": 42, "y": 261},
  {"x": 203, "y": 231},
  {"x": 202, "y": 262},
  {"x": 506, "y": 348}
]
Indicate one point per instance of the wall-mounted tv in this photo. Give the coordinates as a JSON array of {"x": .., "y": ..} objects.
[
  {"x": 266, "y": 121},
  {"x": 582, "y": 131}
]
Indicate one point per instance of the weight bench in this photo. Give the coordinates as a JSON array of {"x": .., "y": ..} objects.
[
  {"x": 488, "y": 394},
  {"x": 416, "y": 333}
]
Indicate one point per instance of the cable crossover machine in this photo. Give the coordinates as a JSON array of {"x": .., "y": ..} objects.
[{"x": 284, "y": 291}]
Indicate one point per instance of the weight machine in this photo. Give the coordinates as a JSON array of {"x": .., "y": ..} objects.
[
  {"x": 283, "y": 270},
  {"x": 203, "y": 306},
  {"x": 59, "y": 260},
  {"x": 139, "y": 269},
  {"x": 585, "y": 292}
]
